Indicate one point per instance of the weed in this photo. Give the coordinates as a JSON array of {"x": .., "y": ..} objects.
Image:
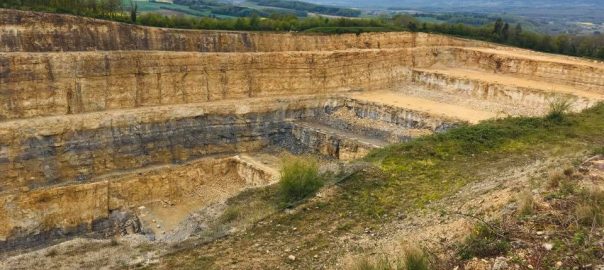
[
  {"x": 599, "y": 151},
  {"x": 299, "y": 179},
  {"x": 484, "y": 241},
  {"x": 558, "y": 109},
  {"x": 579, "y": 238}
]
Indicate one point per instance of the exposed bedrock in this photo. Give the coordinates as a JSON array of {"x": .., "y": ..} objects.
[
  {"x": 50, "y": 151},
  {"x": 46, "y": 84},
  {"x": 526, "y": 98},
  {"x": 43, "y": 32},
  {"x": 100, "y": 118},
  {"x": 34, "y": 217},
  {"x": 562, "y": 69},
  {"x": 64, "y": 175},
  {"x": 54, "y": 150}
]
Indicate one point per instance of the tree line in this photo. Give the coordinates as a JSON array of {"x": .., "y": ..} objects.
[{"x": 591, "y": 46}]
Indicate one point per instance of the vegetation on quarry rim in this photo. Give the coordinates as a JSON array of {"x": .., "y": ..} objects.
[
  {"x": 449, "y": 160},
  {"x": 407, "y": 176}
]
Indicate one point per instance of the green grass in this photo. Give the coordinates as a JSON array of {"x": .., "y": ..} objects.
[
  {"x": 415, "y": 259},
  {"x": 299, "y": 179},
  {"x": 484, "y": 241},
  {"x": 431, "y": 167},
  {"x": 407, "y": 176}
]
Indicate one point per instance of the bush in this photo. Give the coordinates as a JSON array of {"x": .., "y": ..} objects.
[
  {"x": 485, "y": 241},
  {"x": 299, "y": 179},
  {"x": 558, "y": 108}
]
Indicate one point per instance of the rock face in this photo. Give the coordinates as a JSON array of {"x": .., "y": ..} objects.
[
  {"x": 100, "y": 117},
  {"x": 41, "y": 32},
  {"x": 32, "y": 217}
]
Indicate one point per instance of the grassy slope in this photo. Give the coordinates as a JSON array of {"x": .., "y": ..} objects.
[{"x": 409, "y": 176}]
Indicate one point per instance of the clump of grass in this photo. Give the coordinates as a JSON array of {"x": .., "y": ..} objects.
[
  {"x": 484, "y": 241},
  {"x": 555, "y": 178},
  {"x": 558, "y": 109},
  {"x": 300, "y": 178},
  {"x": 230, "y": 214},
  {"x": 568, "y": 186},
  {"x": 599, "y": 151},
  {"x": 114, "y": 242},
  {"x": 51, "y": 253},
  {"x": 526, "y": 203},
  {"x": 381, "y": 263},
  {"x": 412, "y": 259},
  {"x": 590, "y": 209},
  {"x": 415, "y": 259}
]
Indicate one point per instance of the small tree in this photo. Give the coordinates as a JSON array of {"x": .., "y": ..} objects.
[
  {"x": 505, "y": 32},
  {"x": 498, "y": 27},
  {"x": 133, "y": 10}
]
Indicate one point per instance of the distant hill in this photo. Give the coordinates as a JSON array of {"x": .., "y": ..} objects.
[{"x": 461, "y": 4}]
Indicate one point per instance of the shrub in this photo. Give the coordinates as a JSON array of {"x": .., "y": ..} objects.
[
  {"x": 484, "y": 241},
  {"x": 299, "y": 179},
  {"x": 558, "y": 108}
]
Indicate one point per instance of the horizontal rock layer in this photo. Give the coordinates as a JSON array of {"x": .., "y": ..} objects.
[
  {"x": 48, "y": 84},
  {"x": 31, "y": 217},
  {"x": 51, "y": 151},
  {"x": 43, "y": 32}
]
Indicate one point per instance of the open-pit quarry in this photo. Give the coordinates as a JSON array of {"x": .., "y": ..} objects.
[{"x": 109, "y": 129}]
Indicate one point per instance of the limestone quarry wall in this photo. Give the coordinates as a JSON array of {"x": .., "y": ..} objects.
[
  {"x": 57, "y": 150},
  {"x": 30, "y": 217},
  {"x": 46, "y": 84},
  {"x": 545, "y": 67},
  {"x": 49, "y": 84},
  {"x": 43, "y": 32},
  {"x": 531, "y": 101}
]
